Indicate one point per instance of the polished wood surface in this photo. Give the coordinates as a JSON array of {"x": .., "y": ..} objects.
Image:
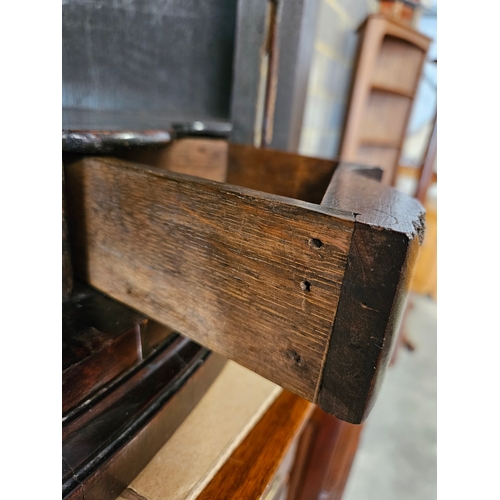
[
  {"x": 250, "y": 470},
  {"x": 101, "y": 341},
  {"x": 105, "y": 447},
  {"x": 324, "y": 457}
]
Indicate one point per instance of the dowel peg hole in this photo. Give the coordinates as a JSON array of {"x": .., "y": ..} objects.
[{"x": 315, "y": 243}]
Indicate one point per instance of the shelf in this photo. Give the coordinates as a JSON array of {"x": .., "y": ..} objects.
[
  {"x": 393, "y": 90},
  {"x": 379, "y": 144}
]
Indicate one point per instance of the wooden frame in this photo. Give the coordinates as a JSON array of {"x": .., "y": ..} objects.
[
  {"x": 389, "y": 63},
  {"x": 306, "y": 294}
]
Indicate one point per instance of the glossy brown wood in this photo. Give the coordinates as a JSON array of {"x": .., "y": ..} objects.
[
  {"x": 109, "y": 141},
  {"x": 107, "y": 446},
  {"x": 249, "y": 471},
  {"x": 324, "y": 457},
  {"x": 101, "y": 339},
  {"x": 237, "y": 270}
]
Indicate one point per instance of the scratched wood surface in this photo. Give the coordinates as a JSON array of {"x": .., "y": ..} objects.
[
  {"x": 252, "y": 276},
  {"x": 387, "y": 236}
]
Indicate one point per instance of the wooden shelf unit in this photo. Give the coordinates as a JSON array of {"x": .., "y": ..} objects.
[{"x": 389, "y": 64}]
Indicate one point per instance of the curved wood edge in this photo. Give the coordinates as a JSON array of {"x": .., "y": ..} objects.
[
  {"x": 107, "y": 141},
  {"x": 397, "y": 29},
  {"x": 106, "y": 448},
  {"x": 388, "y": 231}
]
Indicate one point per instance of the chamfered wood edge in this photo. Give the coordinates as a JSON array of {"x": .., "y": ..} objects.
[{"x": 388, "y": 231}]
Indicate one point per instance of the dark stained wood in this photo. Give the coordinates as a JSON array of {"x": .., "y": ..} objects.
[
  {"x": 107, "y": 141},
  {"x": 67, "y": 269},
  {"x": 387, "y": 235},
  {"x": 249, "y": 471},
  {"x": 234, "y": 269},
  {"x": 276, "y": 172},
  {"x": 201, "y": 157},
  {"x": 105, "y": 448},
  {"x": 102, "y": 339},
  {"x": 324, "y": 457}
]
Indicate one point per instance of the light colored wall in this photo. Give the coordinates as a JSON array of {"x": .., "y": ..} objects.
[{"x": 331, "y": 70}]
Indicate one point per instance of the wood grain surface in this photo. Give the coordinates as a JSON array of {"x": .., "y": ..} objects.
[
  {"x": 276, "y": 172},
  {"x": 307, "y": 295},
  {"x": 252, "y": 276},
  {"x": 201, "y": 157},
  {"x": 250, "y": 470}
]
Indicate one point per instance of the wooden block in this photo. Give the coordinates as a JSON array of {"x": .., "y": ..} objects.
[
  {"x": 255, "y": 276},
  {"x": 387, "y": 236}
]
